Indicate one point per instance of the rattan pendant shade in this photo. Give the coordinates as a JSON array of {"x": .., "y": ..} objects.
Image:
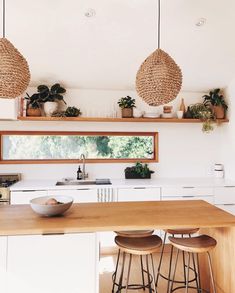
[
  {"x": 14, "y": 71},
  {"x": 159, "y": 79}
]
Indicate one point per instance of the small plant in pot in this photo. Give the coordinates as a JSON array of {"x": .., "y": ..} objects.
[
  {"x": 69, "y": 112},
  {"x": 127, "y": 104},
  {"x": 50, "y": 97},
  {"x": 217, "y": 102},
  {"x": 203, "y": 112},
  {"x": 33, "y": 105},
  {"x": 139, "y": 171}
]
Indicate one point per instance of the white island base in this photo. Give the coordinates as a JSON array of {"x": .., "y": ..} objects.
[{"x": 49, "y": 263}]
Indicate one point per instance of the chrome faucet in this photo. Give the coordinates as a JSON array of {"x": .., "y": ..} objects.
[{"x": 84, "y": 174}]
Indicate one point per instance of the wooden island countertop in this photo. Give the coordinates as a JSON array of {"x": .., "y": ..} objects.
[{"x": 94, "y": 217}]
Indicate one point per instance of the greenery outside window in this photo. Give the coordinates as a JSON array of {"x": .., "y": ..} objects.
[{"x": 67, "y": 147}]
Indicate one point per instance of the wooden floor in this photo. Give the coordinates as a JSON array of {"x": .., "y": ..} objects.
[{"x": 107, "y": 266}]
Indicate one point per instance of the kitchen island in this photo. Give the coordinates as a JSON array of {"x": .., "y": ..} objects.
[{"x": 60, "y": 254}]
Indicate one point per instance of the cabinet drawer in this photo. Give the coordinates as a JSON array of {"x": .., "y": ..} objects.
[
  {"x": 78, "y": 195},
  {"x": 139, "y": 194},
  {"x": 24, "y": 197},
  {"x": 187, "y": 190},
  {"x": 225, "y": 195},
  {"x": 209, "y": 199},
  {"x": 230, "y": 208}
]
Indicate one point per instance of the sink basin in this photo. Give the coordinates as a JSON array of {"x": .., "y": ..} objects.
[{"x": 77, "y": 182}]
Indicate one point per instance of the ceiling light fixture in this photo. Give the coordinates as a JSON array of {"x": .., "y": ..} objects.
[
  {"x": 14, "y": 69},
  {"x": 201, "y": 22},
  {"x": 90, "y": 13},
  {"x": 159, "y": 78}
]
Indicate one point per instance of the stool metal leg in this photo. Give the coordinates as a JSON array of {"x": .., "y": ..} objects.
[
  {"x": 196, "y": 272},
  {"x": 211, "y": 272},
  {"x": 148, "y": 273},
  {"x": 115, "y": 272},
  {"x": 173, "y": 277},
  {"x": 122, "y": 271},
  {"x": 153, "y": 270},
  {"x": 160, "y": 260},
  {"x": 128, "y": 273},
  {"x": 187, "y": 275},
  {"x": 170, "y": 265},
  {"x": 142, "y": 271}
]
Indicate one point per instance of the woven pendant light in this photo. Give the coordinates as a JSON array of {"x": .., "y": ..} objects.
[
  {"x": 159, "y": 78},
  {"x": 14, "y": 69}
]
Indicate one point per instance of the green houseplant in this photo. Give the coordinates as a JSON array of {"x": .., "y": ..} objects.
[
  {"x": 203, "y": 112},
  {"x": 69, "y": 112},
  {"x": 139, "y": 171},
  {"x": 127, "y": 104},
  {"x": 217, "y": 102},
  {"x": 33, "y": 105},
  {"x": 50, "y": 97}
]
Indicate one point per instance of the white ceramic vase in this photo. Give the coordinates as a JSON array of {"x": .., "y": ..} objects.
[{"x": 50, "y": 108}]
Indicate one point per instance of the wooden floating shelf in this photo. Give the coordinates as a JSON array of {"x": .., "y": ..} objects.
[{"x": 99, "y": 119}]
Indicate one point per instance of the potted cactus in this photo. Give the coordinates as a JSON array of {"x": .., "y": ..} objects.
[{"x": 127, "y": 104}]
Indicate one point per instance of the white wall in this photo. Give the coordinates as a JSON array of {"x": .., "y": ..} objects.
[
  {"x": 228, "y": 135},
  {"x": 184, "y": 150}
]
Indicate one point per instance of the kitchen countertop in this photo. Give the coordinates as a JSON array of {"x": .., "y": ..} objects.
[
  {"x": 93, "y": 217},
  {"x": 124, "y": 183}
]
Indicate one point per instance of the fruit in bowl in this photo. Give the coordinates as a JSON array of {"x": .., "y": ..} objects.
[{"x": 51, "y": 206}]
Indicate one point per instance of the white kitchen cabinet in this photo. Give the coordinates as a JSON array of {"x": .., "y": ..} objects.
[
  {"x": 3, "y": 263},
  {"x": 24, "y": 196},
  {"x": 78, "y": 195},
  {"x": 8, "y": 109},
  {"x": 53, "y": 263},
  {"x": 138, "y": 194},
  {"x": 187, "y": 191},
  {"x": 209, "y": 199},
  {"x": 225, "y": 198}
]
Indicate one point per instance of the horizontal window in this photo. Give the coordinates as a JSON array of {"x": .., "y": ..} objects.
[{"x": 56, "y": 147}]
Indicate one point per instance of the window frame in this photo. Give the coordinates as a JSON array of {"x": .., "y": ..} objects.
[{"x": 72, "y": 161}]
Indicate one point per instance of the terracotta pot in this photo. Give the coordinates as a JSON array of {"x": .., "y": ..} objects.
[
  {"x": 34, "y": 112},
  {"x": 127, "y": 113},
  {"x": 219, "y": 112}
]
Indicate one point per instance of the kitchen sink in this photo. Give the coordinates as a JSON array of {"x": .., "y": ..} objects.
[
  {"x": 84, "y": 182},
  {"x": 78, "y": 182}
]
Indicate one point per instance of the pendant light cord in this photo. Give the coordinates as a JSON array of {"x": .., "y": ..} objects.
[
  {"x": 159, "y": 24},
  {"x": 3, "y": 18}
]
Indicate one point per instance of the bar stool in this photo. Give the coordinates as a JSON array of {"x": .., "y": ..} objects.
[
  {"x": 187, "y": 232},
  {"x": 142, "y": 246},
  {"x": 132, "y": 234},
  {"x": 194, "y": 245}
]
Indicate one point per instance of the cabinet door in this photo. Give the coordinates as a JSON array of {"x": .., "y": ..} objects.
[
  {"x": 53, "y": 263},
  {"x": 230, "y": 208},
  {"x": 79, "y": 195},
  {"x": 225, "y": 195},
  {"x": 209, "y": 199},
  {"x": 187, "y": 191},
  {"x": 138, "y": 194},
  {"x": 24, "y": 197}
]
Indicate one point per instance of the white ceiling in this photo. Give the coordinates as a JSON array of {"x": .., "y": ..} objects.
[{"x": 105, "y": 51}]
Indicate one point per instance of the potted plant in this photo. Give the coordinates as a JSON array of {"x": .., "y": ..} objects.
[
  {"x": 216, "y": 100},
  {"x": 50, "y": 97},
  {"x": 69, "y": 112},
  {"x": 127, "y": 104},
  {"x": 33, "y": 105},
  {"x": 203, "y": 112},
  {"x": 139, "y": 171}
]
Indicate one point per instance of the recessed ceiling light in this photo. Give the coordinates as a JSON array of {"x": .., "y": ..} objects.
[
  {"x": 90, "y": 13},
  {"x": 200, "y": 22}
]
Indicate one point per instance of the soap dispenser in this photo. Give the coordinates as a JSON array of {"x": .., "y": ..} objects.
[{"x": 79, "y": 173}]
